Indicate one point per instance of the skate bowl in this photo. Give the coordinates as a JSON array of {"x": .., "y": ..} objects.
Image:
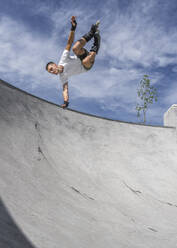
[{"x": 72, "y": 180}]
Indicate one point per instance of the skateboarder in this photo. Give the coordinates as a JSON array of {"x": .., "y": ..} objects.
[{"x": 81, "y": 62}]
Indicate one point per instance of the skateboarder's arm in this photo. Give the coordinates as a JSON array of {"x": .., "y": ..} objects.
[
  {"x": 65, "y": 92},
  {"x": 65, "y": 96},
  {"x": 70, "y": 40},
  {"x": 71, "y": 35}
]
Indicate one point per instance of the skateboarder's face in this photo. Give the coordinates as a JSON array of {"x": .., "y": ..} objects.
[{"x": 53, "y": 68}]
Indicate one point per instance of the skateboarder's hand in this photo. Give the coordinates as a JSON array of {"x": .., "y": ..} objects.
[
  {"x": 65, "y": 105},
  {"x": 73, "y": 18},
  {"x": 73, "y": 23}
]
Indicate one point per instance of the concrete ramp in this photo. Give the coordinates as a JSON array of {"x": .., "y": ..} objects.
[{"x": 70, "y": 180}]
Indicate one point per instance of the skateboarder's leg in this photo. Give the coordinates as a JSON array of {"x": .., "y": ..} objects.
[
  {"x": 96, "y": 45},
  {"x": 78, "y": 46},
  {"x": 89, "y": 60}
]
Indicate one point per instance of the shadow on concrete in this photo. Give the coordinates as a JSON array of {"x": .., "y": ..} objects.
[{"x": 10, "y": 234}]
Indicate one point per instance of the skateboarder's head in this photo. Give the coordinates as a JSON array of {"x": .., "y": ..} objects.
[{"x": 53, "y": 68}]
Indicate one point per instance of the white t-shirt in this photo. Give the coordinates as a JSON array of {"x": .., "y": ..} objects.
[{"x": 72, "y": 66}]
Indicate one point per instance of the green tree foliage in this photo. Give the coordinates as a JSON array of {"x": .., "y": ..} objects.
[{"x": 147, "y": 95}]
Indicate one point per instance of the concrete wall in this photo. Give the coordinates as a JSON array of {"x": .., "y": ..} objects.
[
  {"x": 170, "y": 117},
  {"x": 72, "y": 180}
]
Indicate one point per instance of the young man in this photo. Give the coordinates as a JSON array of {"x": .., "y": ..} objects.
[{"x": 81, "y": 62}]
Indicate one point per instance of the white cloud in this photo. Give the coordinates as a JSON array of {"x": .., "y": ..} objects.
[
  {"x": 139, "y": 39},
  {"x": 23, "y": 55},
  {"x": 170, "y": 97},
  {"x": 174, "y": 69}
]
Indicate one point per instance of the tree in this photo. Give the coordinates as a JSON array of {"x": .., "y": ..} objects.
[{"x": 147, "y": 95}]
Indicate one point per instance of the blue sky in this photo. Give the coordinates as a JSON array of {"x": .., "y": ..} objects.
[{"x": 138, "y": 37}]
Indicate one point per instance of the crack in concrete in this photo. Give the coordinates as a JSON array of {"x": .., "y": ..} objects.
[
  {"x": 82, "y": 194},
  {"x": 134, "y": 191},
  {"x": 40, "y": 141},
  {"x": 152, "y": 229},
  {"x": 168, "y": 203}
]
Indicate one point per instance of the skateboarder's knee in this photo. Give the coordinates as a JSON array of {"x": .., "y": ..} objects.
[
  {"x": 88, "y": 61},
  {"x": 90, "y": 58},
  {"x": 75, "y": 49},
  {"x": 92, "y": 55}
]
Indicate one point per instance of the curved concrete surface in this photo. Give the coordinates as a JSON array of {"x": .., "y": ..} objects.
[{"x": 71, "y": 180}]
